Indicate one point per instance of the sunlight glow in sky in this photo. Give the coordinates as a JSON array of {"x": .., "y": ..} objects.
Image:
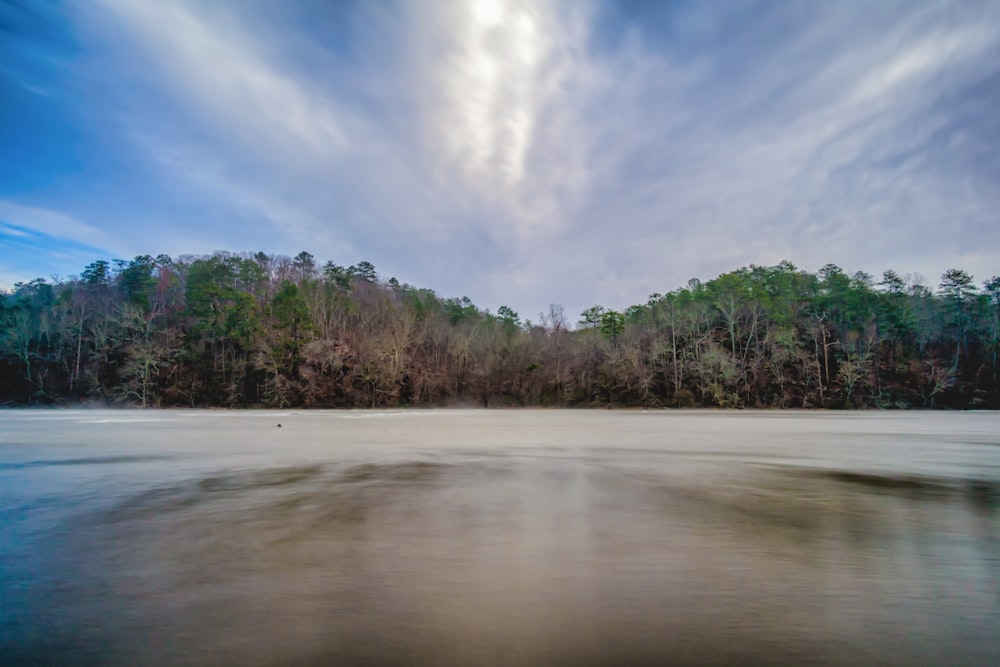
[{"x": 518, "y": 152}]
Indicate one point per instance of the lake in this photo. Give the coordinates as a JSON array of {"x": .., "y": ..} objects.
[{"x": 478, "y": 537}]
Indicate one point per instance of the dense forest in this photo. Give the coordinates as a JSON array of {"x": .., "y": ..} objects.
[{"x": 262, "y": 330}]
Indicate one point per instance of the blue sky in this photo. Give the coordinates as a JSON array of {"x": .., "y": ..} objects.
[{"x": 522, "y": 153}]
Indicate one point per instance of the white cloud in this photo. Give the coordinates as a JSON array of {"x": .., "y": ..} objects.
[
  {"x": 490, "y": 148},
  {"x": 10, "y": 230},
  {"x": 51, "y": 223}
]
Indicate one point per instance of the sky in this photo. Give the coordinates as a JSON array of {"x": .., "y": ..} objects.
[{"x": 521, "y": 153}]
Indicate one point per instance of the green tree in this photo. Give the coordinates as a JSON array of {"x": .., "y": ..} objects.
[
  {"x": 97, "y": 273},
  {"x": 992, "y": 290},
  {"x": 958, "y": 289},
  {"x": 136, "y": 281},
  {"x": 305, "y": 266},
  {"x": 591, "y": 318},
  {"x": 612, "y": 325},
  {"x": 364, "y": 271},
  {"x": 509, "y": 319}
]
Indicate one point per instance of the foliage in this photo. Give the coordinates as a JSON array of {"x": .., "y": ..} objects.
[{"x": 265, "y": 330}]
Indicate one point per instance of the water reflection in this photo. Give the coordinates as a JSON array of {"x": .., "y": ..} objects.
[{"x": 547, "y": 554}]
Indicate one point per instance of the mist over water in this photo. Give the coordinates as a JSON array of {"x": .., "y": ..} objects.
[{"x": 499, "y": 538}]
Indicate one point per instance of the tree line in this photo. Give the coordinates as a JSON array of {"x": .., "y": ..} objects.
[{"x": 240, "y": 330}]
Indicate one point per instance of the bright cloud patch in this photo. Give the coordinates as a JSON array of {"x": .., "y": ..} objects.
[{"x": 529, "y": 152}]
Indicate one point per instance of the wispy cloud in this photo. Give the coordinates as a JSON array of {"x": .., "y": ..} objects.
[
  {"x": 46, "y": 248},
  {"x": 22, "y": 219},
  {"x": 554, "y": 151}
]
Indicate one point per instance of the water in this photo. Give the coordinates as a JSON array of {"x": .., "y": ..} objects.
[{"x": 499, "y": 538}]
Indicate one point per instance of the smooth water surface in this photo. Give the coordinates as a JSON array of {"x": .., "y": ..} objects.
[{"x": 499, "y": 538}]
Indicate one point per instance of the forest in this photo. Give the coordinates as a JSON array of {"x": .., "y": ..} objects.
[{"x": 258, "y": 330}]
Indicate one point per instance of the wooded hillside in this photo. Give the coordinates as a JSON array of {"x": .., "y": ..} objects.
[{"x": 262, "y": 330}]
